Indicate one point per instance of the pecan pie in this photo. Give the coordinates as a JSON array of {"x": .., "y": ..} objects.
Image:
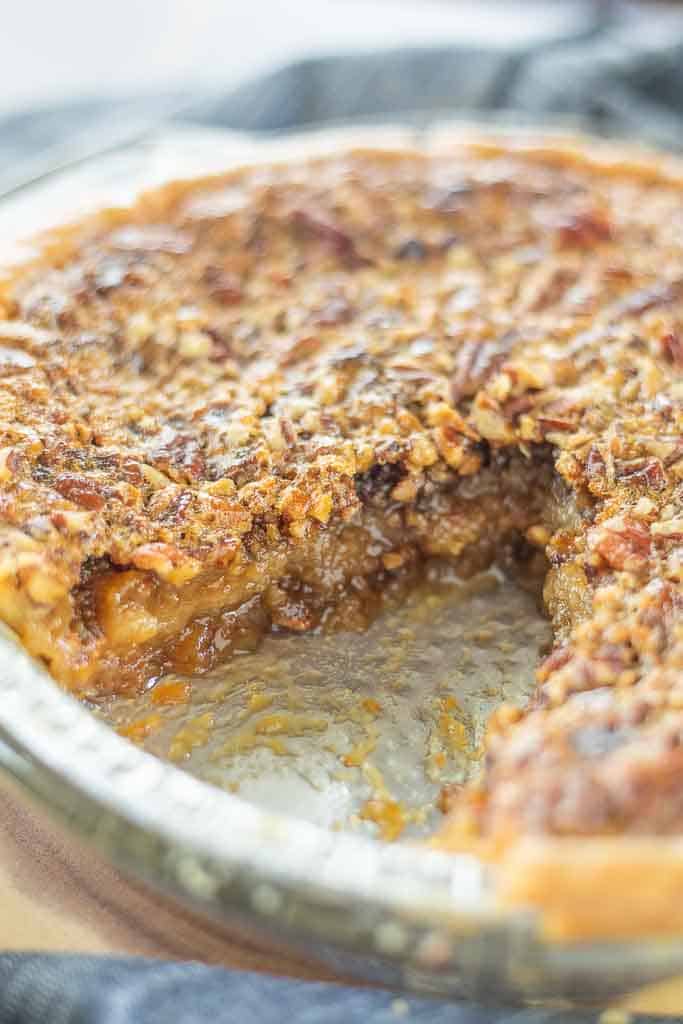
[{"x": 263, "y": 400}]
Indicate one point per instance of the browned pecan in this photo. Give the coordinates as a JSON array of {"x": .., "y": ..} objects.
[
  {"x": 644, "y": 471},
  {"x": 182, "y": 455},
  {"x": 595, "y": 464},
  {"x": 550, "y": 423},
  {"x": 288, "y": 430},
  {"x": 131, "y": 472},
  {"x": 551, "y": 288},
  {"x": 584, "y": 229},
  {"x": 623, "y": 544},
  {"x": 675, "y": 456},
  {"x": 320, "y": 225},
  {"x": 299, "y": 348},
  {"x": 477, "y": 361},
  {"x": 516, "y": 407},
  {"x": 224, "y": 287},
  {"x": 672, "y": 348},
  {"x": 82, "y": 490}
]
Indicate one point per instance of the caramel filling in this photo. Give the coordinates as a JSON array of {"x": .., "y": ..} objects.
[{"x": 337, "y": 578}]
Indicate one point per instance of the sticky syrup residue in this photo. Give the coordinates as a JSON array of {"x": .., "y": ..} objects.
[{"x": 354, "y": 730}]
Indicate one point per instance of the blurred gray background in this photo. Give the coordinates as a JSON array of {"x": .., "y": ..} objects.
[
  {"x": 77, "y": 77},
  {"x": 58, "y": 51}
]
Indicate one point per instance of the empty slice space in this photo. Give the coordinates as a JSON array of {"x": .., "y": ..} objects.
[{"x": 373, "y": 730}]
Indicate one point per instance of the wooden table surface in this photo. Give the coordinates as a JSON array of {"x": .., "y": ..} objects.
[{"x": 59, "y": 895}]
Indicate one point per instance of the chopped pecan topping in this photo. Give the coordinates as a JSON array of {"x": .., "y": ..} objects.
[
  {"x": 624, "y": 544},
  {"x": 336, "y": 311},
  {"x": 288, "y": 431},
  {"x": 595, "y": 464},
  {"x": 669, "y": 529},
  {"x": 82, "y": 490},
  {"x": 167, "y": 561},
  {"x": 319, "y": 225},
  {"x": 254, "y": 400},
  {"x": 641, "y": 301},
  {"x": 223, "y": 287},
  {"x": 672, "y": 348},
  {"x": 182, "y": 456},
  {"x": 476, "y": 362},
  {"x": 584, "y": 228},
  {"x": 517, "y": 406},
  {"x": 649, "y": 472},
  {"x": 550, "y": 423},
  {"x": 300, "y": 348}
]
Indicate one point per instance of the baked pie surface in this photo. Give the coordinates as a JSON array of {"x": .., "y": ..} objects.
[{"x": 265, "y": 399}]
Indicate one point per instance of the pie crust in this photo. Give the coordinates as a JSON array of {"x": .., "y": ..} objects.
[{"x": 265, "y": 399}]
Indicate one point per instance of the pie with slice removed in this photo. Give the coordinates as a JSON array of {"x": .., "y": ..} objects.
[{"x": 267, "y": 399}]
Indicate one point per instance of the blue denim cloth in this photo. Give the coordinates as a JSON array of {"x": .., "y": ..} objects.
[
  {"x": 612, "y": 78},
  {"x": 46, "y": 989}
]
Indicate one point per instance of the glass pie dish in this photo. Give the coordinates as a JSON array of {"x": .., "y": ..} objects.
[{"x": 404, "y": 914}]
